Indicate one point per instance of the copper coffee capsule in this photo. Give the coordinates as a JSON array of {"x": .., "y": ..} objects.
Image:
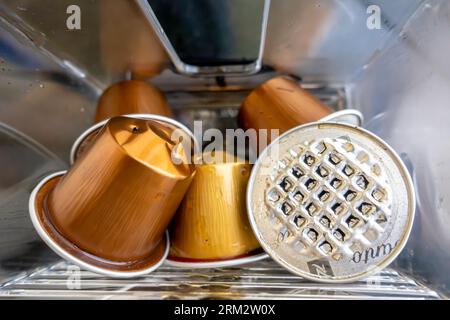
[
  {"x": 211, "y": 228},
  {"x": 132, "y": 96},
  {"x": 281, "y": 104},
  {"x": 109, "y": 212},
  {"x": 123, "y": 98}
]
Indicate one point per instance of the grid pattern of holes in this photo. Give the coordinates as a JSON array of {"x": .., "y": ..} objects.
[{"x": 325, "y": 202}]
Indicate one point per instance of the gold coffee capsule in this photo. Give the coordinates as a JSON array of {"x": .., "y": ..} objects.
[
  {"x": 123, "y": 98},
  {"x": 211, "y": 227},
  {"x": 109, "y": 212}
]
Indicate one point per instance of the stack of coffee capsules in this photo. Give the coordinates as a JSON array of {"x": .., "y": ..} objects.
[{"x": 327, "y": 199}]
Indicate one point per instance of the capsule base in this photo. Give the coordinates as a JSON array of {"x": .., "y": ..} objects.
[{"x": 254, "y": 256}]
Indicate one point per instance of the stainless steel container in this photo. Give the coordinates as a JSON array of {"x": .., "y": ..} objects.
[{"x": 394, "y": 70}]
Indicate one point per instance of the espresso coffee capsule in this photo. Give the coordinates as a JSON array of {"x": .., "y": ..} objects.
[
  {"x": 109, "y": 212},
  {"x": 123, "y": 98},
  {"x": 280, "y": 103},
  {"x": 85, "y": 140},
  {"x": 132, "y": 96},
  {"x": 211, "y": 228},
  {"x": 331, "y": 202}
]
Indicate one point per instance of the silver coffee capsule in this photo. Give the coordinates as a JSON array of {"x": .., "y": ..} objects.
[
  {"x": 331, "y": 202},
  {"x": 349, "y": 116}
]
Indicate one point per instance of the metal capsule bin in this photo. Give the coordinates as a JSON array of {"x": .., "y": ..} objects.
[{"x": 352, "y": 190}]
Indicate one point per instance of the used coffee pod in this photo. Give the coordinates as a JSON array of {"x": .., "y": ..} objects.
[
  {"x": 85, "y": 140},
  {"x": 123, "y": 98},
  {"x": 109, "y": 213},
  {"x": 132, "y": 96},
  {"x": 280, "y": 103},
  {"x": 331, "y": 202},
  {"x": 211, "y": 228}
]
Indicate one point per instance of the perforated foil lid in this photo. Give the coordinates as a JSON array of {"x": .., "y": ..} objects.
[{"x": 331, "y": 202}]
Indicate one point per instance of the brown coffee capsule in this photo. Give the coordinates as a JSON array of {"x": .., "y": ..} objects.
[
  {"x": 132, "y": 96},
  {"x": 211, "y": 228},
  {"x": 85, "y": 140},
  {"x": 281, "y": 104},
  {"x": 123, "y": 98},
  {"x": 109, "y": 212}
]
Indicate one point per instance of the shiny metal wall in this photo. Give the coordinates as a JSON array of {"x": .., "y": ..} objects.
[
  {"x": 329, "y": 40},
  {"x": 325, "y": 40},
  {"x": 404, "y": 92},
  {"x": 398, "y": 76}
]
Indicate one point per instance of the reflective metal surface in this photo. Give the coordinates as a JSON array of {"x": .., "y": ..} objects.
[
  {"x": 328, "y": 40},
  {"x": 114, "y": 38},
  {"x": 303, "y": 37},
  {"x": 261, "y": 280},
  {"x": 404, "y": 92},
  {"x": 24, "y": 162},
  {"x": 50, "y": 79},
  {"x": 211, "y": 37}
]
